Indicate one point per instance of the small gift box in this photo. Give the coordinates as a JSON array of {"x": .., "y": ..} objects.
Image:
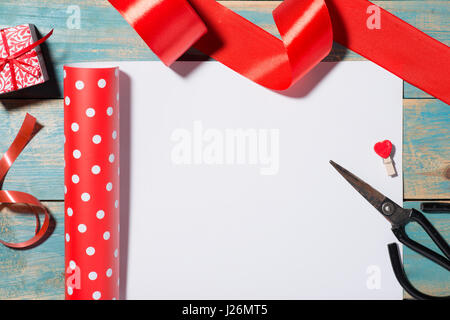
[{"x": 21, "y": 62}]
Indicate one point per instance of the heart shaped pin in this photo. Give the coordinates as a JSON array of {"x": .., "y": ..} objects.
[{"x": 383, "y": 148}]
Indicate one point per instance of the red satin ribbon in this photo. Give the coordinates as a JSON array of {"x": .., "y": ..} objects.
[
  {"x": 13, "y": 59},
  {"x": 170, "y": 27},
  {"x": 27, "y": 131}
]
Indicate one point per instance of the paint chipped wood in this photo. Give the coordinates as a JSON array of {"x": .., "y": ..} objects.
[{"x": 38, "y": 273}]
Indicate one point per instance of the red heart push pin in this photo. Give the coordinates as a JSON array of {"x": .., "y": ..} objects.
[{"x": 384, "y": 149}]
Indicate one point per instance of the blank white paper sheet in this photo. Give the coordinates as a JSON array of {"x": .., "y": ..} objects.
[{"x": 226, "y": 189}]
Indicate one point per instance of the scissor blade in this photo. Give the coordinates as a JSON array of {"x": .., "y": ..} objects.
[
  {"x": 395, "y": 214},
  {"x": 373, "y": 196}
]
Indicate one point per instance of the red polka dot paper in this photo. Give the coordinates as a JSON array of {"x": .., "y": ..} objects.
[{"x": 91, "y": 183}]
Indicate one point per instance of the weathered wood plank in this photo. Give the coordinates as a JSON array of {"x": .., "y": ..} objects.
[
  {"x": 39, "y": 170},
  {"x": 36, "y": 273},
  {"x": 426, "y": 149},
  {"x": 103, "y": 35},
  {"x": 424, "y": 274},
  {"x": 411, "y": 92}
]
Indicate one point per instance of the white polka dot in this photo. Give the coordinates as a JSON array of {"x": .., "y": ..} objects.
[
  {"x": 106, "y": 235},
  {"x": 65, "y": 74},
  {"x": 116, "y": 204},
  {"x": 75, "y": 127},
  {"x": 95, "y": 169},
  {"x": 101, "y": 83},
  {"x": 116, "y": 253},
  {"x": 77, "y": 154},
  {"x": 69, "y": 212},
  {"x": 118, "y": 281},
  {"x": 117, "y": 97},
  {"x": 82, "y": 228},
  {"x": 65, "y": 189},
  {"x": 111, "y": 158},
  {"x": 114, "y": 135},
  {"x": 109, "y": 111},
  {"x": 90, "y": 251},
  {"x": 114, "y": 298},
  {"x": 67, "y": 237},
  {"x": 96, "y": 295},
  {"x": 100, "y": 214},
  {"x": 96, "y": 139},
  {"x": 90, "y": 112},
  {"x": 75, "y": 179},
  {"x": 109, "y": 272},
  {"x": 72, "y": 265},
  {"x": 69, "y": 291},
  {"x": 92, "y": 275},
  {"x": 109, "y": 186},
  {"x": 85, "y": 197},
  {"x": 79, "y": 85},
  {"x": 67, "y": 101}
]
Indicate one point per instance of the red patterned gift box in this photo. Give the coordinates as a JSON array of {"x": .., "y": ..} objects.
[{"x": 21, "y": 64}]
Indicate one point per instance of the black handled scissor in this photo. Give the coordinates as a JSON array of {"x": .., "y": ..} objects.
[{"x": 399, "y": 218}]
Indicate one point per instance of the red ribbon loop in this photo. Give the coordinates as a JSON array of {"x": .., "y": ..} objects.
[
  {"x": 170, "y": 27},
  {"x": 239, "y": 44},
  {"x": 13, "y": 59},
  {"x": 27, "y": 131}
]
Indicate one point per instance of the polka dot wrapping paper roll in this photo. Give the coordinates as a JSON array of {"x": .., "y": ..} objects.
[{"x": 91, "y": 183}]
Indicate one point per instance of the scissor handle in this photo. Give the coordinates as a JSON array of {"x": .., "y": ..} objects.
[
  {"x": 400, "y": 233},
  {"x": 431, "y": 231},
  {"x": 416, "y": 216},
  {"x": 400, "y": 274}
]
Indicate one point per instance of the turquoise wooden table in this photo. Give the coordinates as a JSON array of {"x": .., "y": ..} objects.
[{"x": 91, "y": 30}]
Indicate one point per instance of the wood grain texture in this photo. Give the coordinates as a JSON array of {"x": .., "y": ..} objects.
[
  {"x": 424, "y": 274},
  {"x": 39, "y": 170},
  {"x": 36, "y": 273},
  {"x": 104, "y": 34},
  {"x": 426, "y": 149}
]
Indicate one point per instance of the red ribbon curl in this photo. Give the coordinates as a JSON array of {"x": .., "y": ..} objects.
[
  {"x": 307, "y": 28},
  {"x": 27, "y": 131},
  {"x": 13, "y": 59}
]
